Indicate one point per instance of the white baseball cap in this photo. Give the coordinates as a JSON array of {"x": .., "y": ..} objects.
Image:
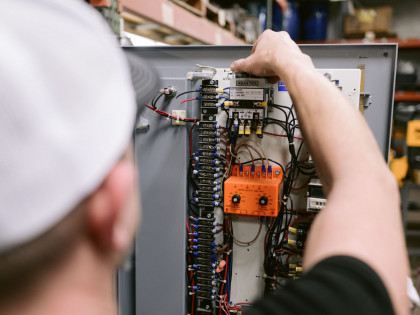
[{"x": 67, "y": 111}]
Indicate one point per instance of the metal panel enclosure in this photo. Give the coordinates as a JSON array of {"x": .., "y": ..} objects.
[{"x": 162, "y": 159}]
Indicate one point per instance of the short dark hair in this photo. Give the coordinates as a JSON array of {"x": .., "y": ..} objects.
[{"x": 22, "y": 266}]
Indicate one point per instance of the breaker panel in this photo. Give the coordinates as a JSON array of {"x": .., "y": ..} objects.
[
  {"x": 237, "y": 177},
  {"x": 214, "y": 238},
  {"x": 253, "y": 192}
]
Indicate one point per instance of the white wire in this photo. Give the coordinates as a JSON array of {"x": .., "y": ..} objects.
[{"x": 208, "y": 67}]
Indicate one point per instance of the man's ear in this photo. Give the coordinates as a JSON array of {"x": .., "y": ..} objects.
[{"x": 106, "y": 208}]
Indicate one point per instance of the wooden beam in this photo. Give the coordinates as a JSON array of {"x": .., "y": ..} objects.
[{"x": 179, "y": 20}]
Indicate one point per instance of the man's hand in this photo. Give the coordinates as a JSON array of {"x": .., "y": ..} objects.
[
  {"x": 359, "y": 190},
  {"x": 274, "y": 55},
  {"x": 283, "y": 4}
]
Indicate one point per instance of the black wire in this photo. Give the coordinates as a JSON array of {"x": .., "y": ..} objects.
[
  {"x": 305, "y": 165},
  {"x": 154, "y": 101},
  {"x": 276, "y": 123},
  {"x": 186, "y": 93},
  {"x": 280, "y": 108},
  {"x": 309, "y": 173}
]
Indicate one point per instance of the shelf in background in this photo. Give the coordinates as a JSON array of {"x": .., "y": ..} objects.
[
  {"x": 407, "y": 96},
  {"x": 164, "y": 21}
]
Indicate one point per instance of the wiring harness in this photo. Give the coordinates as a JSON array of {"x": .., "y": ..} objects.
[{"x": 214, "y": 150}]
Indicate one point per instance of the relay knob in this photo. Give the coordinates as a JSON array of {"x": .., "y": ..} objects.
[
  {"x": 236, "y": 198},
  {"x": 263, "y": 201}
]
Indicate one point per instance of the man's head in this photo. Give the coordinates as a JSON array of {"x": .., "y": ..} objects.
[{"x": 67, "y": 111}]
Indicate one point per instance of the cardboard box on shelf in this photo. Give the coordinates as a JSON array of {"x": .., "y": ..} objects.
[{"x": 377, "y": 20}]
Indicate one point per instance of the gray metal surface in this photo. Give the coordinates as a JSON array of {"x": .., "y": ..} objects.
[{"x": 162, "y": 158}]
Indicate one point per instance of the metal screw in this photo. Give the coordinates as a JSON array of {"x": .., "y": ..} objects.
[
  {"x": 247, "y": 173},
  {"x": 210, "y": 118},
  {"x": 278, "y": 172},
  {"x": 207, "y": 307},
  {"x": 208, "y": 215}
]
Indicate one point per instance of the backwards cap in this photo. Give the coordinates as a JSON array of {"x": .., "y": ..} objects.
[{"x": 67, "y": 110}]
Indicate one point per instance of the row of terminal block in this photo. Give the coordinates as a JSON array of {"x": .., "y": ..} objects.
[{"x": 208, "y": 167}]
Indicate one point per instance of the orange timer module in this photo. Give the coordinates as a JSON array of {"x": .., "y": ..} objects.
[{"x": 253, "y": 191}]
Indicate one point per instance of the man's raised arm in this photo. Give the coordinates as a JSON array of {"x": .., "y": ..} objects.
[{"x": 362, "y": 218}]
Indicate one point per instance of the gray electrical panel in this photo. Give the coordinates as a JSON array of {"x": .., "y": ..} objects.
[{"x": 155, "y": 282}]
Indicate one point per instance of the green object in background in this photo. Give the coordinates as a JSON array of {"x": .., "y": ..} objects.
[{"x": 112, "y": 17}]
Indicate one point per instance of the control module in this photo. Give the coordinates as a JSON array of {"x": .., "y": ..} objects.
[{"x": 253, "y": 191}]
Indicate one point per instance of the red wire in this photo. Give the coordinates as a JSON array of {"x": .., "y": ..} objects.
[
  {"x": 220, "y": 306},
  {"x": 304, "y": 185},
  {"x": 188, "y": 228},
  {"x": 226, "y": 268},
  {"x": 160, "y": 112},
  {"x": 191, "y": 137},
  {"x": 189, "y": 100},
  {"x": 224, "y": 136},
  {"x": 277, "y": 135},
  {"x": 226, "y": 306},
  {"x": 299, "y": 219},
  {"x": 285, "y": 251}
]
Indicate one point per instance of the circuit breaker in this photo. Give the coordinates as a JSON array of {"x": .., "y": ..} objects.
[{"x": 229, "y": 189}]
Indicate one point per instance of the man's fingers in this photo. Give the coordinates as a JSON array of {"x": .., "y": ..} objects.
[
  {"x": 238, "y": 65},
  {"x": 243, "y": 65}
]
